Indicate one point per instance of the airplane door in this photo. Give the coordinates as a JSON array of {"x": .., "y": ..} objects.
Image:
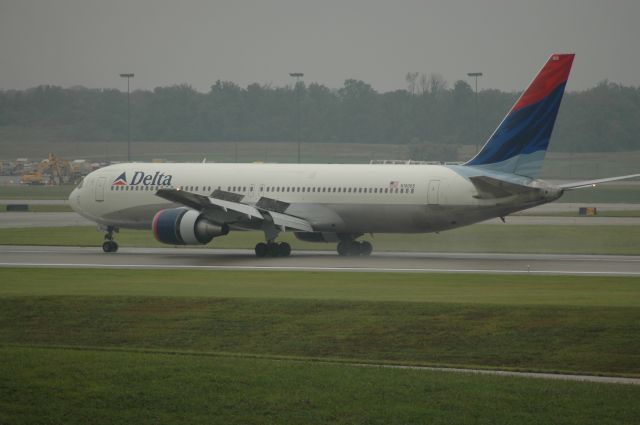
[
  {"x": 433, "y": 194},
  {"x": 100, "y": 189}
]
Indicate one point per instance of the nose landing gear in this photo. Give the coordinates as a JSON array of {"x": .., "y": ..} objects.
[{"x": 109, "y": 245}]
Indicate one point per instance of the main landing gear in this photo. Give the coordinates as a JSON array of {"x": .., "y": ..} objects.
[
  {"x": 109, "y": 245},
  {"x": 351, "y": 248},
  {"x": 273, "y": 249}
]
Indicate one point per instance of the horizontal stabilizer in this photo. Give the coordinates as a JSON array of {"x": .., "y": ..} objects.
[
  {"x": 591, "y": 183},
  {"x": 490, "y": 188}
]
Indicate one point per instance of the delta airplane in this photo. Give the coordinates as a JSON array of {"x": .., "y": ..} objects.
[{"x": 188, "y": 204}]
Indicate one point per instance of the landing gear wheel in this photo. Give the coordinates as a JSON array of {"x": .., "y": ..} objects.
[
  {"x": 343, "y": 248},
  {"x": 366, "y": 248},
  {"x": 273, "y": 249},
  {"x": 261, "y": 249},
  {"x": 284, "y": 249},
  {"x": 354, "y": 248},
  {"x": 110, "y": 246},
  {"x": 348, "y": 248}
]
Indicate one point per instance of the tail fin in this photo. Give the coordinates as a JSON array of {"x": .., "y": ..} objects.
[{"x": 519, "y": 144}]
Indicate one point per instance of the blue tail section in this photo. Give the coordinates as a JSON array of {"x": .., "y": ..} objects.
[{"x": 519, "y": 144}]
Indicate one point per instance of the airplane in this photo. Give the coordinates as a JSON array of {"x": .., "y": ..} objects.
[{"x": 191, "y": 204}]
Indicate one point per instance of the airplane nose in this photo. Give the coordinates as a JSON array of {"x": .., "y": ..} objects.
[{"x": 73, "y": 200}]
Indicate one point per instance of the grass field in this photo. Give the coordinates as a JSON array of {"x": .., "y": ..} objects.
[
  {"x": 102, "y": 387},
  {"x": 35, "y": 192},
  {"x": 617, "y": 240},
  {"x": 144, "y": 346}
]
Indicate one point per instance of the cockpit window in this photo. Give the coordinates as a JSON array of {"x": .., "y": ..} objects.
[{"x": 79, "y": 186}]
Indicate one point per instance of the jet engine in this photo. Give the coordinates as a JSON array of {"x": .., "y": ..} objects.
[{"x": 184, "y": 226}]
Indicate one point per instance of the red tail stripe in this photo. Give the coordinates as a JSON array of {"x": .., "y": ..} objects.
[{"x": 554, "y": 73}]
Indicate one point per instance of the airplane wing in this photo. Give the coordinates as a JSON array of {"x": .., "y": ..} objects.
[
  {"x": 592, "y": 183},
  {"x": 228, "y": 203}
]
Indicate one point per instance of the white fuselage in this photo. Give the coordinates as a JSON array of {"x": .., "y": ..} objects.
[{"x": 331, "y": 197}]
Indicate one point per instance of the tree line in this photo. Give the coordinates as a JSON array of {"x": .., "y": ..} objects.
[{"x": 429, "y": 111}]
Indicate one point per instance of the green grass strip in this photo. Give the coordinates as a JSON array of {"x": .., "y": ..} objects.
[
  {"x": 592, "y": 291},
  {"x": 78, "y": 387},
  {"x": 592, "y": 340},
  {"x": 615, "y": 240}
]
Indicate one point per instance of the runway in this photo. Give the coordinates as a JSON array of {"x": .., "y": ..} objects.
[{"x": 242, "y": 259}]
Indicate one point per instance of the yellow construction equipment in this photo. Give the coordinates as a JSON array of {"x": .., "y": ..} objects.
[{"x": 52, "y": 171}]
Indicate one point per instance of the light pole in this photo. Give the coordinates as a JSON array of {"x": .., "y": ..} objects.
[
  {"x": 476, "y": 75},
  {"x": 297, "y": 76},
  {"x": 128, "y": 77}
]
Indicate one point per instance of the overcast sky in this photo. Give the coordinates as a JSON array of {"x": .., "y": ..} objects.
[{"x": 89, "y": 42}]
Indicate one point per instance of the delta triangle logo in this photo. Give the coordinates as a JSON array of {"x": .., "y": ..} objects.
[{"x": 121, "y": 180}]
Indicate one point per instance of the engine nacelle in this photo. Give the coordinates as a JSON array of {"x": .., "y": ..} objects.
[
  {"x": 317, "y": 236},
  {"x": 183, "y": 226}
]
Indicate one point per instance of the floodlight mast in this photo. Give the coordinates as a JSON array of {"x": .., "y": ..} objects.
[
  {"x": 128, "y": 76},
  {"x": 298, "y": 76},
  {"x": 477, "y": 135}
]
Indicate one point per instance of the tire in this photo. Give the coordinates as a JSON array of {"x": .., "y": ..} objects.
[
  {"x": 273, "y": 249},
  {"x": 109, "y": 246},
  {"x": 343, "y": 249},
  {"x": 366, "y": 248},
  {"x": 354, "y": 248},
  {"x": 284, "y": 249},
  {"x": 261, "y": 250}
]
